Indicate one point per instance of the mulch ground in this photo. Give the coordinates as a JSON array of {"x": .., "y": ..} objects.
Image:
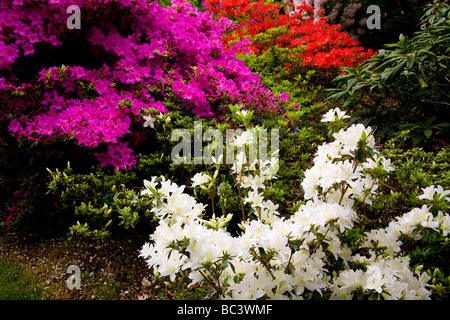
[{"x": 110, "y": 268}]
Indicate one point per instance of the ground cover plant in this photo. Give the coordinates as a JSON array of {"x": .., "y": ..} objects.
[
  {"x": 89, "y": 123},
  {"x": 13, "y": 277}
]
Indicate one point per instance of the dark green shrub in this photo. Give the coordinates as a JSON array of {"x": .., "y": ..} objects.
[
  {"x": 406, "y": 85},
  {"x": 397, "y": 17}
]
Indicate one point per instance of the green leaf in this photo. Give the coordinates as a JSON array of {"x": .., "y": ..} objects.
[
  {"x": 320, "y": 236},
  {"x": 416, "y": 140},
  {"x": 332, "y": 227},
  {"x": 360, "y": 155},
  {"x": 443, "y": 125},
  {"x": 411, "y": 58},
  {"x": 293, "y": 245},
  {"x": 224, "y": 263},
  {"x": 262, "y": 252},
  {"x": 422, "y": 82},
  {"x": 429, "y": 121},
  {"x": 232, "y": 267},
  {"x": 396, "y": 71},
  {"x": 428, "y": 133}
]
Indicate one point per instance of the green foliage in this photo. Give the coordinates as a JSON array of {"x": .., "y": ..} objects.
[
  {"x": 440, "y": 284},
  {"x": 405, "y": 85},
  {"x": 100, "y": 202},
  {"x": 281, "y": 71},
  {"x": 23, "y": 195},
  {"x": 415, "y": 169},
  {"x": 102, "y": 199},
  {"x": 423, "y": 131}
]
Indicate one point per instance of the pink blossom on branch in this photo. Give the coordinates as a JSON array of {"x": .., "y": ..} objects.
[{"x": 137, "y": 55}]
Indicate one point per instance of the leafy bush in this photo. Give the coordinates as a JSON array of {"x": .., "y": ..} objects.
[
  {"x": 25, "y": 203},
  {"x": 405, "y": 86},
  {"x": 103, "y": 198},
  {"x": 415, "y": 170},
  {"x": 298, "y": 119}
]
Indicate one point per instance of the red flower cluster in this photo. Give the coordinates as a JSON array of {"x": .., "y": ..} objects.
[{"x": 324, "y": 46}]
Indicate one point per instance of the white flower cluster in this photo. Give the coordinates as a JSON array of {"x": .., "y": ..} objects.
[
  {"x": 390, "y": 277},
  {"x": 292, "y": 258},
  {"x": 335, "y": 167},
  {"x": 388, "y": 238}
]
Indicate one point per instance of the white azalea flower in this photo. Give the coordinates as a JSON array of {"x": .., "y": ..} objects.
[
  {"x": 429, "y": 192},
  {"x": 149, "y": 121},
  {"x": 334, "y": 115},
  {"x": 200, "y": 179}
]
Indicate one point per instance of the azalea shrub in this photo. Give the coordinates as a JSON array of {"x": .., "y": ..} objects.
[
  {"x": 105, "y": 203},
  {"x": 322, "y": 45},
  {"x": 416, "y": 168},
  {"x": 320, "y": 251},
  {"x": 87, "y": 95},
  {"x": 132, "y": 67}
]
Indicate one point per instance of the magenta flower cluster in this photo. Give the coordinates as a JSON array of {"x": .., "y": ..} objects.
[{"x": 151, "y": 58}]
